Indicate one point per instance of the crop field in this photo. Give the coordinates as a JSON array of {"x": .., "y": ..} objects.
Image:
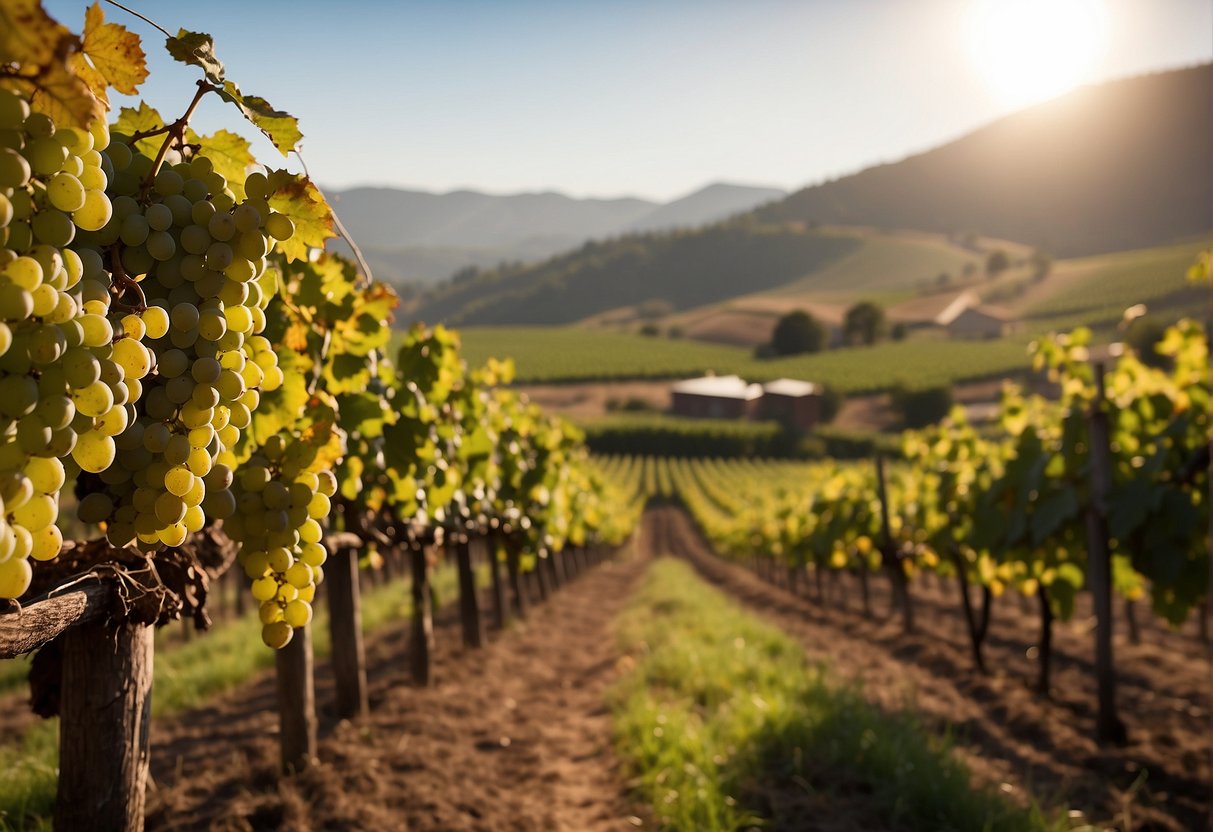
[{"x": 570, "y": 354}]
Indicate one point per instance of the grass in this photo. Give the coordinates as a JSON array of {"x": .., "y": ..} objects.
[
  {"x": 726, "y": 726},
  {"x": 570, "y": 354},
  {"x": 186, "y": 675}
]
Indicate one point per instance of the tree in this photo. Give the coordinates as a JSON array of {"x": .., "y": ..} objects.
[
  {"x": 1042, "y": 264},
  {"x": 864, "y": 323},
  {"x": 922, "y": 406},
  {"x": 899, "y": 332},
  {"x": 798, "y": 332},
  {"x": 997, "y": 262}
]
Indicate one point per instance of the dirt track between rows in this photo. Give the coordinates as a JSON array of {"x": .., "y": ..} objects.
[{"x": 515, "y": 736}]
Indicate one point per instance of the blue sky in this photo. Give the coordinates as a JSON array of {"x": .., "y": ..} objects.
[{"x": 650, "y": 98}]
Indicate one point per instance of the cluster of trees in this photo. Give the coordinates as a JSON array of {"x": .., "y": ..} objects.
[{"x": 798, "y": 332}]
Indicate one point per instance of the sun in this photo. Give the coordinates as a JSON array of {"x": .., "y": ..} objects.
[{"x": 1032, "y": 50}]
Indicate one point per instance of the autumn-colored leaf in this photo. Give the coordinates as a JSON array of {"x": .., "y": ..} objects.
[
  {"x": 65, "y": 97},
  {"x": 29, "y": 36},
  {"x": 296, "y": 337},
  {"x": 133, "y": 120},
  {"x": 296, "y": 197},
  {"x": 280, "y": 128},
  {"x": 112, "y": 56},
  {"x": 196, "y": 49}
]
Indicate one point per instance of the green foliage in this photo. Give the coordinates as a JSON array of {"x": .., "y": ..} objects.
[
  {"x": 864, "y": 323},
  {"x": 921, "y": 406},
  {"x": 798, "y": 332},
  {"x": 660, "y": 435}
]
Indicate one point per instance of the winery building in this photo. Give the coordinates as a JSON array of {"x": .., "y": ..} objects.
[{"x": 785, "y": 400}]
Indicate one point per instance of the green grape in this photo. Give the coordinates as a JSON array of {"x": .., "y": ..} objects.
[
  {"x": 95, "y": 508},
  {"x": 16, "y": 576},
  {"x": 277, "y": 634},
  {"x": 94, "y": 452},
  {"x": 93, "y": 400},
  {"x": 53, "y": 227},
  {"x": 14, "y": 169},
  {"x": 280, "y": 227},
  {"x": 46, "y": 543},
  {"x": 65, "y": 192},
  {"x": 179, "y": 480},
  {"x": 156, "y": 321}
]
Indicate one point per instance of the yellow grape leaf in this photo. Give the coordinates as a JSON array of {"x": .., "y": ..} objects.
[
  {"x": 112, "y": 56},
  {"x": 296, "y": 197},
  {"x": 65, "y": 97},
  {"x": 295, "y": 338},
  {"x": 131, "y": 121},
  {"x": 230, "y": 154},
  {"x": 29, "y": 36},
  {"x": 280, "y": 128}
]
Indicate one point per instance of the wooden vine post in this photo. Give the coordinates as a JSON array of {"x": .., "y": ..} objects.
[
  {"x": 469, "y": 606},
  {"x": 498, "y": 582},
  {"x": 1108, "y": 726},
  {"x": 897, "y": 575},
  {"x": 105, "y": 714},
  {"x": 105, "y": 702},
  {"x": 422, "y": 642},
  {"x": 348, "y": 655},
  {"x": 297, "y": 701},
  {"x": 512, "y": 563}
]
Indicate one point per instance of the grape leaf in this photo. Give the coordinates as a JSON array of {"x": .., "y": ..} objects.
[
  {"x": 131, "y": 121},
  {"x": 280, "y": 128},
  {"x": 297, "y": 198},
  {"x": 112, "y": 56},
  {"x": 28, "y": 35},
  {"x": 65, "y": 97},
  {"x": 196, "y": 49}
]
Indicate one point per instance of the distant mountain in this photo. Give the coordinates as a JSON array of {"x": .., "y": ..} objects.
[
  {"x": 1121, "y": 165},
  {"x": 419, "y": 237},
  {"x": 416, "y": 236},
  {"x": 713, "y": 203}
]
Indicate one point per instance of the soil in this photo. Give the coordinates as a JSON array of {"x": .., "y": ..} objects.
[
  {"x": 1012, "y": 738},
  {"x": 515, "y": 736}
]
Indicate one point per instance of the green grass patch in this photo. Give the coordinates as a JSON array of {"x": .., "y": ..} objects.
[{"x": 727, "y": 726}]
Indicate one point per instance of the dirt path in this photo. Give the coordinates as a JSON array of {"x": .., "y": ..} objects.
[
  {"x": 1011, "y": 738},
  {"x": 514, "y": 737}
]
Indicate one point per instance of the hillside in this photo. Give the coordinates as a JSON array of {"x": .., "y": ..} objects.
[
  {"x": 1122, "y": 165},
  {"x": 421, "y": 237},
  {"x": 671, "y": 270}
]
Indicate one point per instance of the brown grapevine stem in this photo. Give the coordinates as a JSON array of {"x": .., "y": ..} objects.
[
  {"x": 146, "y": 20},
  {"x": 176, "y": 131}
]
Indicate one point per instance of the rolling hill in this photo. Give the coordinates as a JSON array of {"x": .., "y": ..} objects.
[
  {"x": 417, "y": 236},
  {"x": 1122, "y": 165},
  {"x": 1118, "y": 166}
]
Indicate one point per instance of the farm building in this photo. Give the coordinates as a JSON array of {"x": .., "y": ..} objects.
[
  {"x": 730, "y": 397},
  {"x": 963, "y": 318},
  {"x": 716, "y": 397},
  {"x": 792, "y": 402}
]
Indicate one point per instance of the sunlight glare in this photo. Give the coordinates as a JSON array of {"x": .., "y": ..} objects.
[{"x": 1032, "y": 50}]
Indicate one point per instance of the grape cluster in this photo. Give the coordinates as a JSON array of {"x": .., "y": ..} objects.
[
  {"x": 199, "y": 258},
  {"x": 280, "y": 500},
  {"x": 70, "y": 363}
]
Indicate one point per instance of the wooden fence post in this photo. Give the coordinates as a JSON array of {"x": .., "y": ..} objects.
[
  {"x": 348, "y": 655},
  {"x": 105, "y": 719},
  {"x": 297, "y": 701},
  {"x": 1109, "y": 727},
  {"x": 469, "y": 605},
  {"x": 897, "y": 575},
  {"x": 498, "y": 583},
  {"x": 423, "y": 623},
  {"x": 519, "y": 596}
]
